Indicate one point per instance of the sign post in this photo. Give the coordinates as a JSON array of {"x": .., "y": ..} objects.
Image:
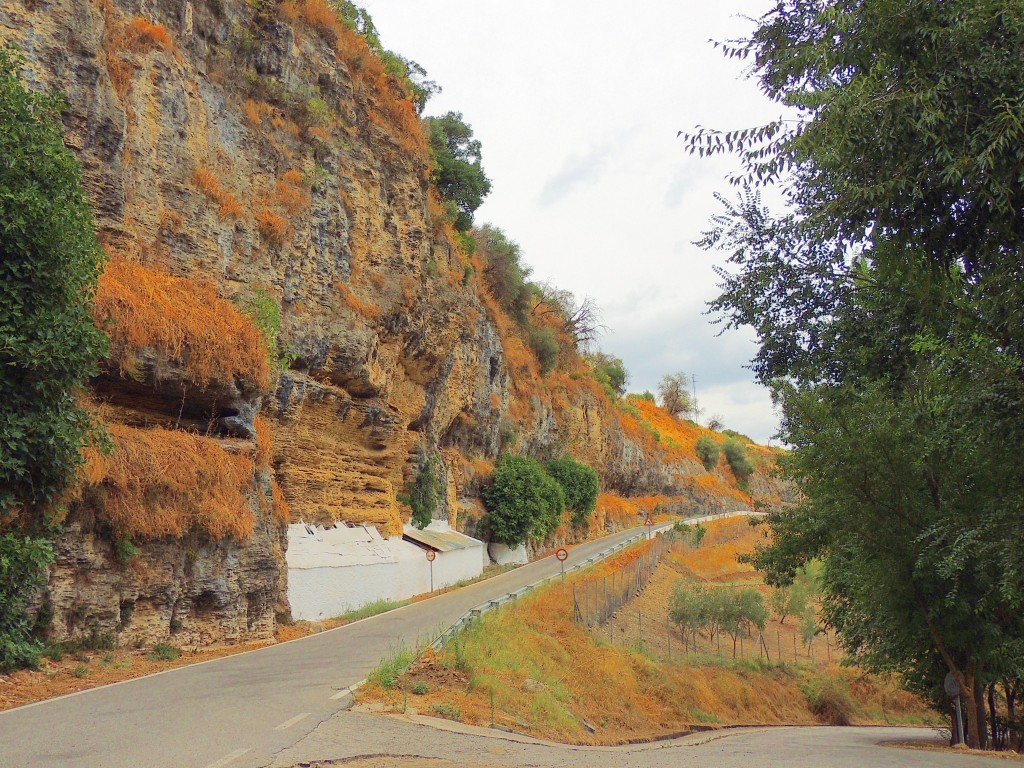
[
  {"x": 953, "y": 690},
  {"x": 562, "y": 554},
  {"x": 648, "y": 522},
  {"x": 431, "y": 554}
]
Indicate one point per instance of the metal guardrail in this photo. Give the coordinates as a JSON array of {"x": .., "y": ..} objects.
[{"x": 490, "y": 605}]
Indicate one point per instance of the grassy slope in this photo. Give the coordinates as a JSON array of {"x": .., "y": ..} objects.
[{"x": 624, "y": 692}]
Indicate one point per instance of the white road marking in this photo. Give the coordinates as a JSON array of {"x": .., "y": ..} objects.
[
  {"x": 293, "y": 721},
  {"x": 346, "y": 691},
  {"x": 228, "y": 758}
]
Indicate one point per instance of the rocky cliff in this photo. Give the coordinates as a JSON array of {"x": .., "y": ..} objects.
[{"x": 293, "y": 324}]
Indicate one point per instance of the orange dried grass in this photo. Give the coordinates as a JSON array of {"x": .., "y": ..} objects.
[
  {"x": 181, "y": 319},
  {"x": 362, "y": 308},
  {"x": 271, "y": 225},
  {"x": 282, "y": 511},
  {"x": 160, "y": 482},
  {"x": 264, "y": 443},
  {"x": 207, "y": 183},
  {"x": 290, "y": 194}
]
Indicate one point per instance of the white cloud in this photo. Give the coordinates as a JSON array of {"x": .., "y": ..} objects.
[{"x": 577, "y": 105}]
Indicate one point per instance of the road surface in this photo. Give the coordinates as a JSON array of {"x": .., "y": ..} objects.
[
  {"x": 242, "y": 710},
  {"x": 353, "y": 734}
]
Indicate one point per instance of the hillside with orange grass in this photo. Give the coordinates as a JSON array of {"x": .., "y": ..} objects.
[
  {"x": 295, "y": 323},
  {"x": 552, "y": 677}
]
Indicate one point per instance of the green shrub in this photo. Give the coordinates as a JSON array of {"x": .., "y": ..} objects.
[
  {"x": 262, "y": 309},
  {"x": 579, "y": 486},
  {"x": 458, "y": 176},
  {"x": 125, "y": 549},
  {"x": 828, "y": 697},
  {"x": 423, "y": 494},
  {"x": 420, "y": 688},
  {"x": 449, "y": 711},
  {"x": 505, "y": 273},
  {"x": 164, "y": 652},
  {"x": 49, "y": 347},
  {"x": 80, "y": 671},
  {"x": 707, "y": 451},
  {"x": 736, "y": 454},
  {"x": 545, "y": 347},
  {"x": 522, "y": 502},
  {"x": 611, "y": 373},
  {"x": 392, "y": 667}
]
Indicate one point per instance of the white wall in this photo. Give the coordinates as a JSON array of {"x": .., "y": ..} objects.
[
  {"x": 502, "y": 554},
  {"x": 326, "y": 579}
]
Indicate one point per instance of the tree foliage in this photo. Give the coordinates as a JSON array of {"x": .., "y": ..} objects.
[
  {"x": 49, "y": 346},
  {"x": 579, "y": 485},
  {"x": 423, "y": 494},
  {"x": 506, "y": 274},
  {"x": 890, "y": 313},
  {"x": 708, "y": 452},
  {"x": 523, "y": 502},
  {"x": 610, "y": 373},
  {"x": 736, "y": 454},
  {"x": 49, "y": 265},
  {"x": 673, "y": 394},
  {"x": 698, "y": 608},
  {"x": 458, "y": 175}
]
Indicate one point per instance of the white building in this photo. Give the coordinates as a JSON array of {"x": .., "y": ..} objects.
[{"x": 335, "y": 570}]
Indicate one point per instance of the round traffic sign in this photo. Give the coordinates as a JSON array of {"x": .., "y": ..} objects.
[
  {"x": 951, "y": 685},
  {"x": 562, "y": 553},
  {"x": 431, "y": 554}
]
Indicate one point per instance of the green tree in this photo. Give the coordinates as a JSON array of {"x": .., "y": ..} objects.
[
  {"x": 736, "y": 454},
  {"x": 49, "y": 347},
  {"x": 506, "y": 275},
  {"x": 708, "y": 452},
  {"x": 545, "y": 347},
  {"x": 579, "y": 485},
  {"x": 523, "y": 502},
  {"x": 610, "y": 373},
  {"x": 673, "y": 394},
  {"x": 890, "y": 315},
  {"x": 423, "y": 494},
  {"x": 458, "y": 176}
]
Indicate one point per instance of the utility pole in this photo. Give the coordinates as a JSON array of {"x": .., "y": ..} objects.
[{"x": 693, "y": 384}]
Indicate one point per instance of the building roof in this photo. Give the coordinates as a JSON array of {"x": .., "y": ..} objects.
[{"x": 439, "y": 541}]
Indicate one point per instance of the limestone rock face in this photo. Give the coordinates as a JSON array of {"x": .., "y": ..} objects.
[{"x": 269, "y": 157}]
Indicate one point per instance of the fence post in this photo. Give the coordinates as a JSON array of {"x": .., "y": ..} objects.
[
  {"x": 670, "y": 643},
  {"x": 794, "y": 647},
  {"x": 640, "y": 620}
]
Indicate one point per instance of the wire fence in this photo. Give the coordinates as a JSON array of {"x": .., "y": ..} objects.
[{"x": 602, "y": 603}]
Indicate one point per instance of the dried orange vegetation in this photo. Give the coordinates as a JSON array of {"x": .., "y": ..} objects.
[
  {"x": 255, "y": 111},
  {"x": 625, "y": 694},
  {"x": 717, "y": 557},
  {"x": 290, "y": 194},
  {"x": 385, "y": 96},
  {"x": 180, "y": 319},
  {"x": 160, "y": 482},
  {"x": 264, "y": 443},
  {"x": 143, "y": 35},
  {"x": 363, "y": 308},
  {"x": 207, "y": 183},
  {"x": 271, "y": 225},
  {"x": 132, "y": 37},
  {"x": 281, "y": 509},
  {"x": 624, "y": 511}
]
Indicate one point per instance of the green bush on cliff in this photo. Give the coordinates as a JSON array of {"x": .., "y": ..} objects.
[
  {"x": 423, "y": 494},
  {"x": 49, "y": 346},
  {"x": 736, "y": 454},
  {"x": 524, "y": 502},
  {"x": 458, "y": 176},
  {"x": 707, "y": 451},
  {"x": 579, "y": 485}
]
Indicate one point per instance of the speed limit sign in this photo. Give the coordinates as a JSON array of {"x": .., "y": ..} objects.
[
  {"x": 431, "y": 554},
  {"x": 562, "y": 554}
]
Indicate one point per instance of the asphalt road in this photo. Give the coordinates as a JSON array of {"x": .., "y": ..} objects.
[
  {"x": 241, "y": 710},
  {"x": 351, "y": 735}
]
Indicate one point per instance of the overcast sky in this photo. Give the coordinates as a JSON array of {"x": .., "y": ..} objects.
[{"x": 577, "y": 105}]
